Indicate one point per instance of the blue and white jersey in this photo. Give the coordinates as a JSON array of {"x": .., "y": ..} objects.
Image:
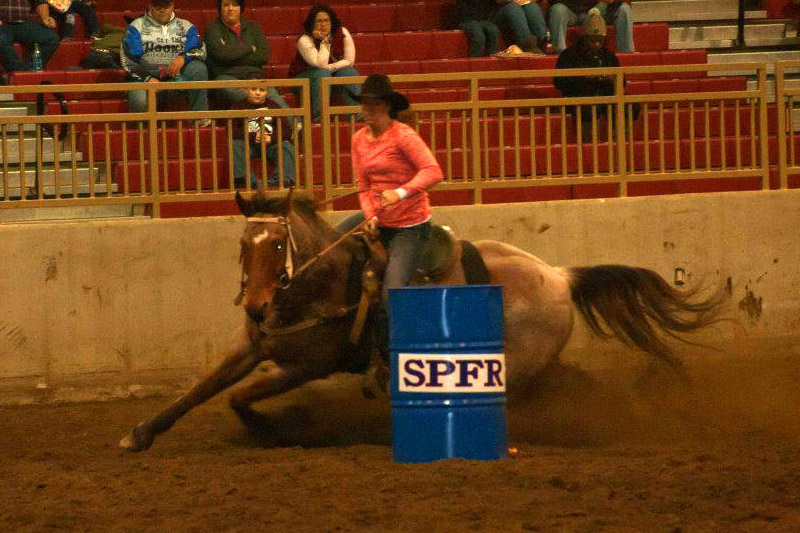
[{"x": 149, "y": 46}]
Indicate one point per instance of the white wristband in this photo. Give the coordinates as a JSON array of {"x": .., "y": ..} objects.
[{"x": 402, "y": 193}]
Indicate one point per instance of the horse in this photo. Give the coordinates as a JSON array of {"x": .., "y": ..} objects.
[{"x": 301, "y": 312}]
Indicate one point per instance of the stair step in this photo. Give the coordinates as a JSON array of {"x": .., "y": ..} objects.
[
  {"x": 47, "y": 157},
  {"x": 724, "y": 35},
  {"x": 14, "y": 128},
  {"x": 716, "y": 32},
  {"x": 14, "y": 111},
  {"x": 686, "y": 10},
  {"x": 791, "y": 83},
  {"x": 63, "y": 190},
  {"x": 37, "y": 214},
  {"x": 13, "y": 178},
  {"x": 29, "y": 150},
  {"x": 728, "y": 43},
  {"x": 748, "y": 56}
]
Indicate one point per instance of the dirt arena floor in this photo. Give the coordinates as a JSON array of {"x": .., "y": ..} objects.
[{"x": 722, "y": 455}]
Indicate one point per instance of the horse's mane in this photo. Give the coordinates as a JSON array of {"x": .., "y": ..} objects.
[{"x": 276, "y": 205}]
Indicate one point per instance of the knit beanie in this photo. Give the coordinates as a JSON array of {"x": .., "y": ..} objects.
[{"x": 594, "y": 24}]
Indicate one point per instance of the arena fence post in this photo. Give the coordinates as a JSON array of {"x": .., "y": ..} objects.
[
  {"x": 619, "y": 120},
  {"x": 152, "y": 97},
  {"x": 784, "y": 125},
  {"x": 763, "y": 126},
  {"x": 475, "y": 138}
]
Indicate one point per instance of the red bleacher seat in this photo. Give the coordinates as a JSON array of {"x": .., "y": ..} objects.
[
  {"x": 537, "y": 62},
  {"x": 518, "y": 92},
  {"x": 714, "y": 83},
  {"x": 282, "y": 71},
  {"x": 117, "y": 18},
  {"x": 405, "y": 46},
  {"x": 371, "y": 18},
  {"x": 638, "y": 86},
  {"x": 414, "y": 16},
  {"x": 684, "y": 57},
  {"x": 394, "y": 67},
  {"x": 370, "y": 47},
  {"x": 688, "y": 85},
  {"x": 281, "y": 49},
  {"x": 69, "y": 54},
  {"x": 450, "y": 44},
  {"x": 286, "y": 20},
  {"x": 445, "y": 65},
  {"x": 647, "y": 37}
]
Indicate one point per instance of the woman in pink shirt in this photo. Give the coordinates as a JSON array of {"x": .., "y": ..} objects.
[{"x": 393, "y": 168}]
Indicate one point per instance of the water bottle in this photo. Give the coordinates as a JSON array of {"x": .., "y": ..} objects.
[{"x": 37, "y": 57}]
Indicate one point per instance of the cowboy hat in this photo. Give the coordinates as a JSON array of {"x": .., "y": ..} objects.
[{"x": 378, "y": 87}]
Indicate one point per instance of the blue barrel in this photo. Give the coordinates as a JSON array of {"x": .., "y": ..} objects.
[{"x": 448, "y": 373}]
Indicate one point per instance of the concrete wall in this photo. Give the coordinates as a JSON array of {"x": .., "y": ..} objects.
[{"x": 118, "y": 306}]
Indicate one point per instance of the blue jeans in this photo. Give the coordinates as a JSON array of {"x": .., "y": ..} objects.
[
  {"x": 86, "y": 12},
  {"x": 240, "y": 164},
  {"x": 404, "y": 247},
  {"x": 535, "y": 18},
  {"x": 27, "y": 33},
  {"x": 194, "y": 70},
  {"x": 482, "y": 36},
  {"x": 350, "y": 222},
  {"x": 314, "y": 75},
  {"x": 522, "y": 21},
  {"x": 621, "y": 17}
]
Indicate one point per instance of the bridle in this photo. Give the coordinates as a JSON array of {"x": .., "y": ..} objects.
[
  {"x": 289, "y": 272},
  {"x": 361, "y": 308}
]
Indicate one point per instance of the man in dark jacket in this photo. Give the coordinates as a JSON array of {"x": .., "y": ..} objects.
[
  {"x": 563, "y": 13},
  {"x": 588, "y": 52}
]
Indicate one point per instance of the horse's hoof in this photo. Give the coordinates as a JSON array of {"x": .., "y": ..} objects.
[{"x": 138, "y": 440}]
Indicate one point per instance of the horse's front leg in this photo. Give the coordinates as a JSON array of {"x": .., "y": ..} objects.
[
  {"x": 240, "y": 359},
  {"x": 274, "y": 381}
]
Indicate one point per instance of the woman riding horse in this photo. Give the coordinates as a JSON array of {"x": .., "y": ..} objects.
[{"x": 300, "y": 318}]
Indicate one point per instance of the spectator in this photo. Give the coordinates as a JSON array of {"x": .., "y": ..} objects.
[
  {"x": 482, "y": 19},
  {"x": 589, "y": 51},
  {"x": 86, "y": 10},
  {"x": 237, "y": 50},
  {"x": 325, "y": 49},
  {"x": 563, "y": 13},
  {"x": 160, "y": 47},
  {"x": 16, "y": 26},
  {"x": 256, "y": 98}
]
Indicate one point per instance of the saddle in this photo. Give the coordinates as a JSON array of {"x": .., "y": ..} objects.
[{"x": 441, "y": 255}]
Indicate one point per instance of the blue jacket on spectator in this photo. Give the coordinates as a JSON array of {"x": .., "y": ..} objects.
[{"x": 149, "y": 47}]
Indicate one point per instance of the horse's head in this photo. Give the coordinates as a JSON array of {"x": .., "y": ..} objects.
[{"x": 267, "y": 249}]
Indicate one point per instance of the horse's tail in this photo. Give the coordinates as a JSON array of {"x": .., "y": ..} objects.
[{"x": 637, "y": 304}]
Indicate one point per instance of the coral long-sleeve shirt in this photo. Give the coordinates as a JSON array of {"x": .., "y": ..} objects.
[{"x": 398, "y": 158}]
